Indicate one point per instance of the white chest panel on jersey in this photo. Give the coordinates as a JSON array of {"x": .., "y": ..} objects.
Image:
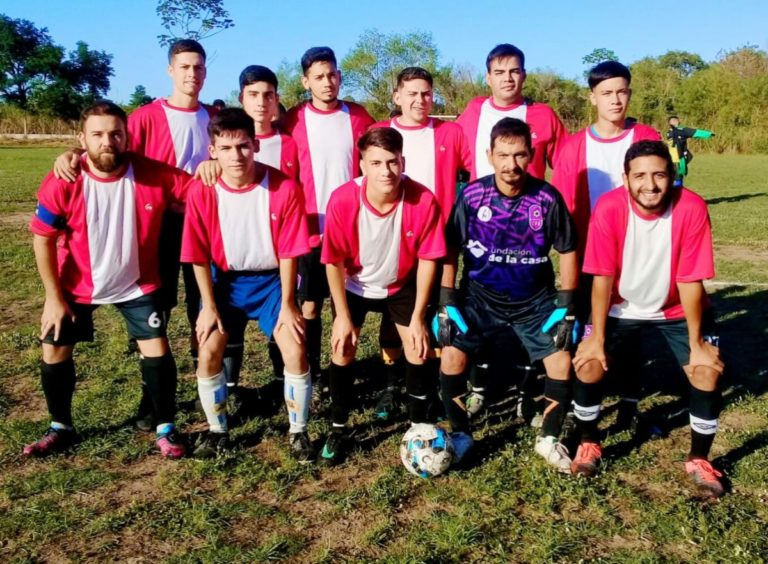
[
  {"x": 489, "y": 116},
  {"x": 605, "y": 164},
  {"x": 270, "y": 151},
  {"x": 189, "y": 132},
  {"x": 419, "y": 153}
]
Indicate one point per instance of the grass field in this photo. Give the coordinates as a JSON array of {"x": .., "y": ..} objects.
[{"x": 114, "y": 498}]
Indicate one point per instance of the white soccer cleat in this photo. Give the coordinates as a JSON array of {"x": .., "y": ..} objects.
[{"x": 554, "y": 452}]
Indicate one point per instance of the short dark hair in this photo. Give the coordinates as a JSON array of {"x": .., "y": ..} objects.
[
  {"x": 670, "y": 118},
  {"x": 317, "y": 55},
  {"x": 508, "y": 128},
  {"x": 383, "y": 137},
  {"x": 231, "y": 119},
  {"x": 605, "y": 70},
  {"x": 504, "y": 51},
  {"x": 649, "y": 149},
  {"x": 413, "y": 73},
  {"x": 103, "y": 108},
  {"x": 257, "y": 73},
  {"x": 219, "y": 103},
  {"x": 185, "y": 46}
]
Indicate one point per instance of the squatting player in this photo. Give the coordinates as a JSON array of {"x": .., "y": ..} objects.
[
  {"x": 244, "y": 237},
  {"x": 326, "y": 131},
  {"x": 505, "y": 225},
  {"x": 435, "y": 151},
  {"x": 384, "y": 235},
  {"x": 108, "y": 225},
  {"x": 649, "y": 248}
]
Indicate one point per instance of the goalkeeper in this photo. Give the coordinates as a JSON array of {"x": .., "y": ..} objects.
[
  {"x": 677, "y": 139},
  {"x": 505, "y": 225}
]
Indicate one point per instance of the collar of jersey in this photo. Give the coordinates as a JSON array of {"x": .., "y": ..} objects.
[
  {"x": 399, "y": 125},
  {"x": 165, "y": 103},
  {"x": 594, "y": 137},
  {"x": 247, "y": 188},
  {"x": 338, "y": 108},
  {"x": 369, "y": 207},
  {"x": 495, "y": 106},
  {"x": 87, "y": 170}
]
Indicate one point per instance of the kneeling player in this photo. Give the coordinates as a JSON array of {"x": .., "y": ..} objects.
[
  {"x": 649, "y": 248},
  {"x": 251, "y": 228},
  {"x": 108, "y": 222},
  {"x": 505, "y": 224},
  {"x": 383, "y": 236}
]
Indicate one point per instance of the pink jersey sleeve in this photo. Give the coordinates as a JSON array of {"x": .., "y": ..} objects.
[
  {"x": 695, "y": 261},
  {"x": 289, "y": 157},
  {"x": 607, "y": 229},
  {"x": 432, "y": 244},
  {"x": 290, "y": 232},
  {"x": 338, "y": 245},
  {"x": 52, "y": 209},
  {"x": 468, "y": 120},
  {"x": 138, "y": 122},
  {"x": 196, "y": 241},
  {"x": 644, "y": 132}
]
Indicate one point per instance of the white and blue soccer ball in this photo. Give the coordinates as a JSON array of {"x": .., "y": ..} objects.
[{"x": 426, "y": 450}]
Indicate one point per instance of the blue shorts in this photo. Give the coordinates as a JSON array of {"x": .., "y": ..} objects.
[
  {"x": 486, "y": 323},
  {"x": 241, "y": 296}
]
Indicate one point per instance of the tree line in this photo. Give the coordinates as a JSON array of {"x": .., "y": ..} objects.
[{"x": 728, "y": 95}]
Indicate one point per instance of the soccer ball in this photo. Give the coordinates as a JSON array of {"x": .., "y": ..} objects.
[{"x": 426, "y": 450}]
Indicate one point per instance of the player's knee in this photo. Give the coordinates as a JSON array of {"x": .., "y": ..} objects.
[
  {"x": 452, "y": 361},
  {"x": 391, "y": 355},
  {"x": 412, "y": 356},
  {"x": 310, "y": 310},
  {"x": 53, "y": 354},
  {"x": 210, "y": 359},
  {"x": 558, "y": 365},
  {"x": 591, "y": 373},
  {"x": 153, "y": 347},
  {"x": 294, "y": 356},
  {"x": 703, "y": 378}
]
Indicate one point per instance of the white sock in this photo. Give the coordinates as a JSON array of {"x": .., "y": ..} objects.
[
  {"x": 298, "y": 392},
  {"x": 213, "y": 396}
]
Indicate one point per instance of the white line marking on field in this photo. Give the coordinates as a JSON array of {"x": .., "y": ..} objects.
[{"x": 722, "y": 283}]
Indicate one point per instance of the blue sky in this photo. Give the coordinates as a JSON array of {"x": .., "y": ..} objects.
[{"x": 553, "y": 34}]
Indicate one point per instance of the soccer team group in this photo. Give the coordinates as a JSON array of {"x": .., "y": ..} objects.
[{"x": 286, "y": 210}]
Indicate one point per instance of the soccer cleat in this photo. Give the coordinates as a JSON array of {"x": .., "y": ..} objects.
[
  {"x": 385, "y": 407},
  {"x": 211, "y": 445},
  {"x": 301, "y": 447},
  {"x": 554, "y": 452},
  {"x": 587, "y": 459},
  {"x": 54, "y": 440},
  {"x": 333, "y": 449},
  {"x": 705, "y": 476},
  {"x": 475, "y": 403},
  {"x": 171, "y": 445}
]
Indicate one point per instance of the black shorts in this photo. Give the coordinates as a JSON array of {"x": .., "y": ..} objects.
[
  {"x": 398, "y": 307},
  {"x": 486, "y": 322},
  {"x": 624, "y": 341},
  {"x": 168, "y": 257},
  {"x": 143, "y": 316},
  {"x": 313, "y": 282}
]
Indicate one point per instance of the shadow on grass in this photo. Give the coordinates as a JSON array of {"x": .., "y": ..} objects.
[{"x": 734, "y": 199}]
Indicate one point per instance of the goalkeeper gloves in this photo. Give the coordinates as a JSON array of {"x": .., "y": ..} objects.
[
  {"x": 448, "y": 321},
  {"x": 562, "y": 323}
]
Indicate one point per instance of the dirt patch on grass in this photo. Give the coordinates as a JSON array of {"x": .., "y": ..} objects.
[
  {"x": 738, "y": 253},
  {"x": 15, "y": 219}
]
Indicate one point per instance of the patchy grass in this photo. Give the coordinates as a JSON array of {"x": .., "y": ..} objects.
[{"x": 113, "y": 498}]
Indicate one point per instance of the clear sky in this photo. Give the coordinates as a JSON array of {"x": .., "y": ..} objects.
[{"x": 554, "y": 34}]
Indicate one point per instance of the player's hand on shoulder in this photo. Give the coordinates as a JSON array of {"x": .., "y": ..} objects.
[
  {"x": 55, "y": 311},
  {"x": 67, "y": 165},
  {"x": 290, "y": 317},
  {"x": 208, "y": 321},
  {"x": 208, "y": 172}
]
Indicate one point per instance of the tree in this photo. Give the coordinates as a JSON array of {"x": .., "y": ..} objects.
[
  {"x": 139, "y": 98},
  {"x": 370, "y": 70},
  {"x": 682, "y": 62},
  {"x": 191, "y": 19},
  {"x": 28, "y": 58},
  {"x": 289, "y": 84},
  {"x": 88, "y": 71},
  {"x": 598, "y": 56},
  {"x": 455, "y": 86}
]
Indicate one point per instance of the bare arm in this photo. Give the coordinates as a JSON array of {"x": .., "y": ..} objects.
[
  {"x": 55, "y": 309},
  {"x": 425, "y": 278},
  {"x": 208, "y": 320},
  {"x": 289, "y": 315},
  {"x": 702, "y": 353},
  {"x": 569, "y": 271},
  {"x": 343, "y": 332},
  {"x": 450, "y": 268}
]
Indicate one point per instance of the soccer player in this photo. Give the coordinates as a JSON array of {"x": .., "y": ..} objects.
[
  {"x": 649, "y": 248},
  {"x": 243, "y": 237},
  {"x": 677, "y": 139},
  {"x": 326, "y": 131},
  {"x": 174, "y": 131},
  {"x": 260, "y": 99},
  {"x": 384, "y": 235},
  {"x": 95, "y": 242},
  {"x": 505, "y": 225},
  {"x": 435, "y": 151},
  {"x": 505, "y": 67}
]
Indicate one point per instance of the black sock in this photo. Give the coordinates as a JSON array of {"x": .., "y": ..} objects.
[
  {"x": 342, "y": 380},
  {"x": 704, "y": 411},
  {"x": 453, "y": 389},
  {"x": 58, "y": 382},
  {"x": 479, "y": 376},
  {"x": 314, "y": 328},
  {"x": 159, "y": 376},
  {"x": 233, "y": 363},
  {"x": 417, "y": 378},
  {"x": 587, "y": 399},
  {"x": 278, "y": 366},
  {"x": 393, "y": 371},
  {"x": 556, "y": 396},
  {"x": 436, "y": 409}
]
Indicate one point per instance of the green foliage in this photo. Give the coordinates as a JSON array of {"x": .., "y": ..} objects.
[
  {"x": 191, "y": 19},
  {"x": 682, "y": 62},
  {"x": 565, "y": 96},
  {"x": 289, "y": 84},
  {"x": 598, "y": 56},
  {"x": 138, "y": 98},
  {"x": 455, "y": 86}
]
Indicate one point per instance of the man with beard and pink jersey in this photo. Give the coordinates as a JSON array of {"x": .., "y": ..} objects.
[
  {"x": 174, "y": 131},
  {"x": 95, "y": 242},
  {"x": 326, "y": 130},
  {"x": 435, "y": 151}
]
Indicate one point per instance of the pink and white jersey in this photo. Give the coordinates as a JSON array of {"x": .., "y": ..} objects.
[
  {"x": 108, "y": 228},
  {"x": 328, "y": 155},
  {"x": 481, "y": 114},
  {"x": 587, "y": 167},
  {"x": 649, "y": 255},
  {"x": 175, "y": 136},
  {"x": 279, "y": 151},
  {"x": 381, "y": 252},
  {"x": 434, "y": 153},
  {"x": 246, "y": 229}
]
